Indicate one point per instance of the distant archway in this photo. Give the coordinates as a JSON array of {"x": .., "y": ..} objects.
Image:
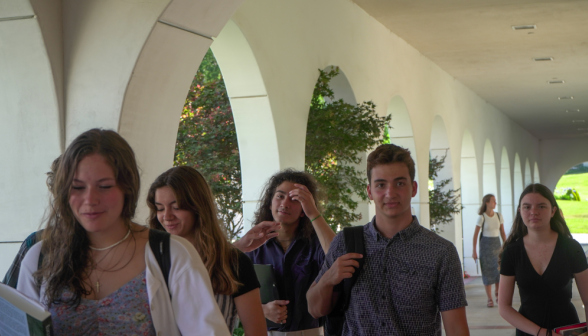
[
  {"x": 489, "y": 172},
  {"x": 536, "y": 178},
  {"x": 439, "y": 147},
  {"x": 401, "y": 134},
  {"x": 528, "y": 176},
  {"x": 470, "y": 199},
  {"x": 518, "y": 180},
  {"x": 506, "y": 203}
]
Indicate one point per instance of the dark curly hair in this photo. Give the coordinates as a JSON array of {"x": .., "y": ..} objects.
[{"x": 264, "y": 211}]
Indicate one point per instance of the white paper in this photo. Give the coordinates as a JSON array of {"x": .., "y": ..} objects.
[{"x": 13, "y": 321}]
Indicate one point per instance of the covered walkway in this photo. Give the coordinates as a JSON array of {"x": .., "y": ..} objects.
[{"x": 484, "y": 321}]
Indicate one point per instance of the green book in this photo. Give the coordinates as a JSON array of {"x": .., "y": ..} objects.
[
  {"x": 22, "y": 316},
  {"x": 268, "y": 290}
]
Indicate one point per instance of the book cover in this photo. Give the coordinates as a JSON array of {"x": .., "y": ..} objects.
[
  {"x": 21, "y": 316},
  {"x": 268, "y": 290},
  {"x": 578, "y": 329}
]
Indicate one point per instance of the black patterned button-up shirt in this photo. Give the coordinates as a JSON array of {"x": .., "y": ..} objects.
[{"x": 405, "y": 283}]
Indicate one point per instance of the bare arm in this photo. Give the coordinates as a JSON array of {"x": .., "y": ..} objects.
[
  {"x": 251, "y": 314},
  {"x": 323, "y": 232},
  {"x": 475, "y": 245},
  {"x": 257, "y": 236},
  {"x": 502, "y": 233},
  {"x": 322, "y": 229},
  {"x": 455, "y": 322},
  {"x": 582, "y": 283},
  {"x": 320, "y": 296},
  {"x": 505, "y": 309}
]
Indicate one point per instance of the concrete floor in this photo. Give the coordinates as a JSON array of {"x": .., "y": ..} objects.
[{"x": 484, "y": 321}]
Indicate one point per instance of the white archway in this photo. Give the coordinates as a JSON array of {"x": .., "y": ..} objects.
[
  {"x": 518, "y": 181},
  {"x": 470, "y": 199},
  {"x": 536, "y": 178},
  {"x": 439, "y": 147},
  {"x": 342, "y": 90},
  {"x": 252, "y": 112},
  {"x": 506, "y": 203},
  {"x": 489, "y": 184},
  {"x": 401, "y": 134},
  {"x": 528, "y": 176}
]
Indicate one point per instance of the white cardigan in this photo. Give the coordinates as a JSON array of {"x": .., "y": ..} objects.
[{"x": 192, "y": 309}]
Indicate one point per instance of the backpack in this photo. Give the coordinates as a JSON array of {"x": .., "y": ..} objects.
[
  {"x": 353, "y": 237},
  {"x": 484, "y": 220},
  {"x": 159, "y": 242}
]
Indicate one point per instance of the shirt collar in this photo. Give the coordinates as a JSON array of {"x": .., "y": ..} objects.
[{"x": 405, "y": 234}]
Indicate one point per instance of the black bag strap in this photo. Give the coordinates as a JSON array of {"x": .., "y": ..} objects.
[
  {"x": 354, "y": 243},
  {"x": 159, "y": 242}
]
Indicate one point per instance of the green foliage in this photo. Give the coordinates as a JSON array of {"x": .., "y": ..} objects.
[
  {"x": 207, "y": 141},
  {"x": 336, "y": 133},
  {"x": 239, "y": 331},
  {"x": 443, "y": 202},
  {"x": 567, "y": 194}
]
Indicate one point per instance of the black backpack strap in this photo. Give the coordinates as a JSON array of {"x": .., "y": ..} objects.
[
  {"x": 499, "y": 219},
  {"x": 354, "y": 243},
  {"x": 159, "y": 242}
]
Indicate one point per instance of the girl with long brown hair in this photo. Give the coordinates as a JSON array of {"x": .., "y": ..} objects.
[
  {"x": 98, "y": 274},
  {"x": 181, "y": 203},
  {"x": 543, "y": 259},
  {"x": 491, "y": 225}
]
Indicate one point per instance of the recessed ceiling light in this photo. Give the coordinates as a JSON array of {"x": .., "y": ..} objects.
[
  {"x": 571, "y": 111},
  {"x": 524, "y": 27},
  {"x": 542, "y": 59},
  {"x": 565, "y": 98},
  {"x": 578, "y": 121},
  {"x": 556, "y": 82}
]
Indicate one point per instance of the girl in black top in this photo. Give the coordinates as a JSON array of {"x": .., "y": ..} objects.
[{"x": 541, "y": 256}]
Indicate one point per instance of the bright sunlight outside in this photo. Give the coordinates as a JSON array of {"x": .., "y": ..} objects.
[{"x": 571, "y": 193}]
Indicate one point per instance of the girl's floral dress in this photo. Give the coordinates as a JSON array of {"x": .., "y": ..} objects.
[{"x": 124, "y": 312}]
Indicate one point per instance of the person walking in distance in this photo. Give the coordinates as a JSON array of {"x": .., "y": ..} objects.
[{"x": 492, "y": 226}]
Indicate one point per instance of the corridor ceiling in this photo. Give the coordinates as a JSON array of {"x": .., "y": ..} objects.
[{"x": 473, "y": 40}]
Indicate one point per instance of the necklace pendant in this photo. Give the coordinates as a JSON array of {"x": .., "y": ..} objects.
[{"x": 97, "y": 287}]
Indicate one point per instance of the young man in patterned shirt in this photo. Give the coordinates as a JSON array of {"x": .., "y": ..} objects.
[{"x": 411, "y": 277}]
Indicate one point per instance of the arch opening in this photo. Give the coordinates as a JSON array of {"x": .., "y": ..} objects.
[
  {"x": 517, "y": 181},
  {"x": 401, "y": 134},
  {"x": 470, "y": 199},
  {"x": 506, "y": 200},
  {"x": 571, "y": 194},
  {"x": 439, "y": 148}
]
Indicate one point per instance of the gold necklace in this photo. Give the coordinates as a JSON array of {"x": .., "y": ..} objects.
[{"x": 111, "y": 269}]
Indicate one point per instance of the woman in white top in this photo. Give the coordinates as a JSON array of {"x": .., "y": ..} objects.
[
  {"x": 98, "y": 274},
  {"x": 491, "y": 225}
]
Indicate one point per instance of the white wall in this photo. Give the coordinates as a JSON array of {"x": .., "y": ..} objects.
[
  {"x": 127, "y": 66},
  {"x": 74, "y": 65}
]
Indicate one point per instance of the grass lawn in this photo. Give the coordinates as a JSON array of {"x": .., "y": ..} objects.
[{"x": 576, "y": 213}]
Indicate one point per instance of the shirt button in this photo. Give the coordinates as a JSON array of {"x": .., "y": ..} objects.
[
  {"x": 384, "y": 297},
  {"x": 383, "y": 324},
  {"x": 385, "y": 270}
]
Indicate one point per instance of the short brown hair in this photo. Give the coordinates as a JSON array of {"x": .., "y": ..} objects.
[{"x": 389, "y": 153}]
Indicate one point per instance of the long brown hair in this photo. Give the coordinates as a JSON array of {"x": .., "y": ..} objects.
[
  {"x": 193, "y": 194},
  {"x": 264, "y": 211},
  {"x": 485, "y": 201},
  {"x": 66, "y": 257},
  {"x": 557, "y": 222}
]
